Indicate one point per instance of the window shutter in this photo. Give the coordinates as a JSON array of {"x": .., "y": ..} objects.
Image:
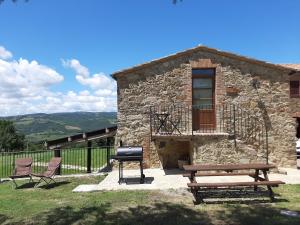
[{"x": 294, "y": 89}]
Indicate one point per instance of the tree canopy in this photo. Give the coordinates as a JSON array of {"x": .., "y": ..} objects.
[
  {"x": 174, "y": 1},
  {"x": 13, "y": 1},
  {"x": 10, "y": 139}
]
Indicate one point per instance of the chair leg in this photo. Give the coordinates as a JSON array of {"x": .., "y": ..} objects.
[
  {"x": 15, "y": 183},
  {"x": 256, "y": 179},
  {"x": 271, "y": 194},
  {"x": 38, "y": 183},
  {"x": 45, "y": 180},
  {"x": 52, "y": 180}
]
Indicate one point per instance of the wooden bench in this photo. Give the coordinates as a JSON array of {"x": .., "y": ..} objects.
[
  {"x": 231, "y": 170},
  {"x": 235, "y": 184},
  {"x": 220, "y": 174}
]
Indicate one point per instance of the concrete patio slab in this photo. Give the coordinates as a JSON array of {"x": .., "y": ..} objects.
[{"x": 158, "y": 179}]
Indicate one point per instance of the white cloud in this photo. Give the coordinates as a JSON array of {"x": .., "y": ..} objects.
[
  {"x": 25, "y": 88},
  {"x": 98, "y": 81},
  {"x": 24, "y": 79},
  {"x": 73, "y": 101},
  {"x": 58, "y": 102},
  {"x": 4, "y": 54},
  {"x": 75, "y": 64}
]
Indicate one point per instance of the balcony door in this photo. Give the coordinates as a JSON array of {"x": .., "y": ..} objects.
[{"x": 204, "y": 118}]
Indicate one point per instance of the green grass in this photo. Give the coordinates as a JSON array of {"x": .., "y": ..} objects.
[
  {"x": 57, "y": 204},
  {"x": 73, "y": 160}
]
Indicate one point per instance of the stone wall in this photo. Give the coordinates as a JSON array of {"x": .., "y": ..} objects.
[
  {"x": 137, "y": 92},
  {"x": 170, "y": 82},
  {"x": 220, "y": 150}
]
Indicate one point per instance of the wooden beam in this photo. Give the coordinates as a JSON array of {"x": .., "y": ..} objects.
[{"x": 83, "y": 137}]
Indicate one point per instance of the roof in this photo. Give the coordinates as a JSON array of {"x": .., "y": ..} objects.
[
  {"x": 88, "y": 136},
  {"x": 292, "y": 66},
  {"x": 205, "y": 49}
]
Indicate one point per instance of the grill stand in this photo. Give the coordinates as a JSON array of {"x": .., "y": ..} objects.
[
  {"x": 129, "y": 154},
  {"x": 121, "y": 174}
]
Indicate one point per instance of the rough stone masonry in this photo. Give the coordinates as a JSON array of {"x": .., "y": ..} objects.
[{"x": 168, "y": 81}]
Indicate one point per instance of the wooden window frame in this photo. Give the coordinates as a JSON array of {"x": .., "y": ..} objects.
[
  {"x": 197, "y": 125},
  {"x": 205, "y": 76}
]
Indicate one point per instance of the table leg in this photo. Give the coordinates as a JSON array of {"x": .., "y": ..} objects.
[
  {"x": 193, "y": 177},
  {"x": 256, "y": 178},
  {"x": 271, "y": 194},
  {"x": 142, "y": 172},
  {"x": 119, "y": 172},
  {"x": 194, "y": 190}
]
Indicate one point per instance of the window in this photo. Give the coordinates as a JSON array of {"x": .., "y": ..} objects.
[
  {"x": 294, "y": 89},
  {"x": 208, "y": 72},
  {"x": 203, "y": 88}
]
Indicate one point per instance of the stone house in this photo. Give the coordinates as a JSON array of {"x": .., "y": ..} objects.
[{"x": 209, "y": 106}]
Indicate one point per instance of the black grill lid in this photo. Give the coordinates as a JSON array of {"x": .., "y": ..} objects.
[{"x": 130, "y": 151}]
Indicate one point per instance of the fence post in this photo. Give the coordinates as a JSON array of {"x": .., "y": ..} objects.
[
  {"x": 89, "y": 157},
  {"x": 14, "y": 161},
  {"x": 57, "y": 153},
  {"x": 108, "y": 152}
]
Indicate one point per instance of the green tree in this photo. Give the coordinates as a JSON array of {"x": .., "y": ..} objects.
[
  {"x": 10, "y": 139},
  {"x": 13, "y": 1},
  {"x": 174, "y": 1}
]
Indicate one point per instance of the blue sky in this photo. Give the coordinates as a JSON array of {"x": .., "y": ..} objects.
[{"x": 75, "y": 45}]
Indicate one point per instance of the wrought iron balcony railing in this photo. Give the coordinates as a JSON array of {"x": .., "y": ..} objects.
[{"x": 227, "y": 118}]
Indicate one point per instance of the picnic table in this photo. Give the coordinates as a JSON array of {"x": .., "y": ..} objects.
[{"x": 252, "y": 170}]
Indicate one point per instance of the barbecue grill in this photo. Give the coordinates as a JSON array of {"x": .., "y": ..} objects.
[{"x": 129, "y": 154}]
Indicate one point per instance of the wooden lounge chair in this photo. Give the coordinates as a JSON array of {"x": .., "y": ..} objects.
[
  {"x": 22, "y": 169},
  {"x": 48, "y": 175}
]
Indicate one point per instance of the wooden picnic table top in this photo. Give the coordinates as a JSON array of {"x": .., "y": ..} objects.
[{"x": 211, "y": 167}]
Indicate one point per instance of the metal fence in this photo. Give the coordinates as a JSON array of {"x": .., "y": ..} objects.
[
  {"x": 238, "y": 123},
  {"x": 74, "y": 160}
]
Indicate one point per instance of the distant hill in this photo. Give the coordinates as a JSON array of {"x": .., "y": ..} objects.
[{"x": 39, "y": 127}]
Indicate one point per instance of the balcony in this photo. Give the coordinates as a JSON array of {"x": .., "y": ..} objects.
[{"x": 186, "y": 121}]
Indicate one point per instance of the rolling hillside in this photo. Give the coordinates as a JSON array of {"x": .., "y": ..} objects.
[{"x": 40, "y": 127}]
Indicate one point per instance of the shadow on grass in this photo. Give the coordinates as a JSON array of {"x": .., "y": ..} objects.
[
  {"x": 256, "y": 215},
  {"x": 42, "y": 185},
  {"x": 26, "y": 185},
  {"x": 3, "y": 219},
  {"x": 53, "y": 185},
  {"x": 163, "y": 213},
  {"x": 159, "y": 213}
]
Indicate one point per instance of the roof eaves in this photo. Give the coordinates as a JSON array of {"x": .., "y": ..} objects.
[{"x": 203, "y": 48}]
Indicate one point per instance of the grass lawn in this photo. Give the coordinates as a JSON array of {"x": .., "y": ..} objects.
[{"x": 58, "y": 205}]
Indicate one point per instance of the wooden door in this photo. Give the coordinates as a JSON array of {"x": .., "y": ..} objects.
[{"x": 204, "y": 119}]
